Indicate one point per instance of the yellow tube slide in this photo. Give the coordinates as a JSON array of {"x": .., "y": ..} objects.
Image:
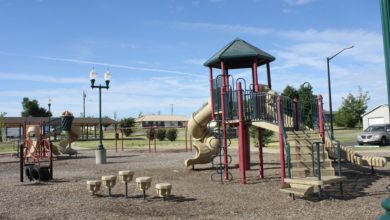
[{"x": 203, "y": 142}]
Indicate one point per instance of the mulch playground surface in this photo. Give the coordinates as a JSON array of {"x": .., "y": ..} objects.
[{"x": 194, "y": 194}]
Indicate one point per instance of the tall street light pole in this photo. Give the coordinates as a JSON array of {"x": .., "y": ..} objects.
[
  {"x": 100, "y": 151},
  {"x": 330, "y": 92}
]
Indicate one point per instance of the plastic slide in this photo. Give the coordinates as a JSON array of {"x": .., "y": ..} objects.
[
  {"x": 204, "y": 142},
  {"x": 70, "y": 136}
]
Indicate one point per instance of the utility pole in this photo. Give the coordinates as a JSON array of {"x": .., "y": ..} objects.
[
  {"x": 171, "y": 109},
  {"x": 84, "y": 96}
]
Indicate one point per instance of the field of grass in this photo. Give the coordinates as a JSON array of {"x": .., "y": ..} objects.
[{"x": 138, "y": 140}]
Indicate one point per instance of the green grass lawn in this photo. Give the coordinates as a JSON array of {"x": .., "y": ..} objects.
[{"x": 139, "y": 140}]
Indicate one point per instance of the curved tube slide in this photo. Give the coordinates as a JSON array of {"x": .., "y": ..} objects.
[{"x": 204, "y": 142}]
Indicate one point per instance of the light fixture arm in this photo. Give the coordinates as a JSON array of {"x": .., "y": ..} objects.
[{"x": 329, "y": 58}]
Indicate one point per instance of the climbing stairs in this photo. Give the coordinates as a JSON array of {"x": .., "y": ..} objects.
[{"x": 303, "y": 175}]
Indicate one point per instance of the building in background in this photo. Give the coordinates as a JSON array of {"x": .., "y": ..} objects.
[
  {"x": 164, "y": 121},
  {"x": 377, "y": 115}
]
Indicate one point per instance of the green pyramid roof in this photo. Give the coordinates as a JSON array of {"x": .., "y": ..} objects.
[{"x": 239, "y": 54}]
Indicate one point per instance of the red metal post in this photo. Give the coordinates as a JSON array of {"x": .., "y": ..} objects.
[
  {"x": 296, "y": 115},
  {"x": 269, "y": 76},
  {"x": 241, "y": 131},
  {"x": 224, "y": 136},
  {"x": 260, "y": 142},
  {"x": 255, "y": 76},
  {"x": 211, "y": 92},
  {"x": 321, "y": 117},
  {"x": 281, "y": 143}
]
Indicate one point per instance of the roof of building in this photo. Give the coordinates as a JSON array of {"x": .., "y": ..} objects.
[
  {"x": 239, "y": 54},
  {"x": 368, "y": 112},
  {"x": 17, "y": 121},
  {"x": 147, "y": 118}
]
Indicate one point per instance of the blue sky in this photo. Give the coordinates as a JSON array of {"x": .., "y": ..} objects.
[{"x": 155, "y": 50}]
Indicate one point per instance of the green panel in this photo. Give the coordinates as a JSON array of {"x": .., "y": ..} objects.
[{"x": 385, "y": 12}]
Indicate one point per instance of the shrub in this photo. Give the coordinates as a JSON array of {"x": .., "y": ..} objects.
[
  {"x": 172, "y": 134},
  {"x": 161, "y": 134},
  {"x": 151, "y": 135},
  {"x": 126, "y": 124}
]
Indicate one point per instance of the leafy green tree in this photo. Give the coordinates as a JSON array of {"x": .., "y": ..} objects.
[
  {"x": 349, "y": 114},
  {"x": 127, "y": 124},
  {"x": 305, "y": 95},
  {"x": 291, "y": 92},
  {"x": 31, "y": 108},
  {"x": 265, "y": 134},
  {"x": 171, "y": 134},
  {"x": 160, "y": 135},
  {"x": 150, "y": 134}
]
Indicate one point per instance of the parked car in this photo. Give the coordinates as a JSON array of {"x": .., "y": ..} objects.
[{"x": 375, "y": 134}]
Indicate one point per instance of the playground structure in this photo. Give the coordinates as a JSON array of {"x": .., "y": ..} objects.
[
  {"x": 305, "y": 151},
  {"x": 36, "y": 151}
]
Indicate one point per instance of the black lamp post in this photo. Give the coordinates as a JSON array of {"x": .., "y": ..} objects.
[
  {"x": 330, "y": 93},
  {"x": 49, "y": 105},
  {"x": 100, "y": 151}
]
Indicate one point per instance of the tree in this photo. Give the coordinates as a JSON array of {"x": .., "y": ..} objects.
[
  {"x": 265, "y": 134},
  {"x": 127, "y": 124},
  {"x": 349, "y": 114},
  {"x": 150, "y": 134},
  {"x": 291, "y": 92},
  {"x": 305, "y": 95},
  {"x": 172, "y": 134},
  {"x": 160, "y": 135},
  {"x": 31, "y": 108}
]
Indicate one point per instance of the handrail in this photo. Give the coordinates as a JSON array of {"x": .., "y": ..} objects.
[{"x": 333, "y": 146}]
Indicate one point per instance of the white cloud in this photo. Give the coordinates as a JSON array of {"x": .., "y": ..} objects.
[{"x": 116, "y": 65}]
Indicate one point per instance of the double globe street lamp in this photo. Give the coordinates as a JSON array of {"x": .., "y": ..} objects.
[
  {"x": 330, "y": 93},
  {"x": 100, "y": 151}
]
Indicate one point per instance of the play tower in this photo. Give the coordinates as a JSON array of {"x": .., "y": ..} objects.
[
  {"x": 234, "y": 103},
  {"x": 236, "y": 55}
]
